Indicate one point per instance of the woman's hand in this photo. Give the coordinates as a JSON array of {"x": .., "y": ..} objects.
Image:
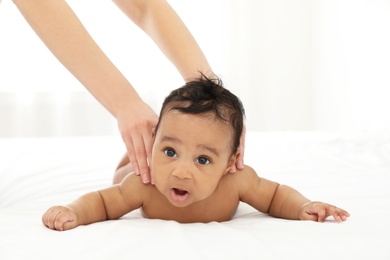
[{"x": 135, "y": 125}]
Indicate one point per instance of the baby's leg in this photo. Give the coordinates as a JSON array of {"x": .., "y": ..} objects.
[{"x": 124, "y": 168}]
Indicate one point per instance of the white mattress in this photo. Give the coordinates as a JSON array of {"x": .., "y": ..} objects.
[{"x": 353, "y": 173}]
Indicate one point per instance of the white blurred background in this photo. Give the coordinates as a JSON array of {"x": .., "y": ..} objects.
[{"x": 297, "y": 65}]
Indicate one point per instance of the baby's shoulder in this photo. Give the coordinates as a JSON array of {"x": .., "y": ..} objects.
[
  {"x": 245, "y": 174},
  {"x": 241, "y": 178},
  {"x": 133, "y": 185},
  {"x": 131, "y": 179}
]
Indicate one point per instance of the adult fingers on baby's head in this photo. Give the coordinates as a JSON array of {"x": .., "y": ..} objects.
[
  {"x": 138, "y": 156},
  {"x": 240, "y": 160},
  {"x": 131, "y": 154},
  {"x": 142, "y": 159},
  {"x": 240, "y": 151},
  {"x": 148, "y": 141},
  {"x": 233, "y": 169},
  {"x": 145, "y": 156}
]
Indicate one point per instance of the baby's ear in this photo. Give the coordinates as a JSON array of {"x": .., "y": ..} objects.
[{"x": 232, "y": 161}]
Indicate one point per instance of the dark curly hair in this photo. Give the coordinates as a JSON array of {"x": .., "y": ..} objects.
[{"x": 205, "y": 95}]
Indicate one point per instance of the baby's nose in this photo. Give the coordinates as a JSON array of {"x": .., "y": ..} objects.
[{"x": 182, "y": 171}]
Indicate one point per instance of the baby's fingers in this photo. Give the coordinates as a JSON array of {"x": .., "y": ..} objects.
[
  {"x": 57, "y": 217},
  {"x": 319, "y": 211},
  {"x": 339, "y": 214}
]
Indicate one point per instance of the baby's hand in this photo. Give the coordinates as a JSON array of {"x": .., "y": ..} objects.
[
  {"x": 60, "y": 218},
  {"x": 319, "y": 211}
]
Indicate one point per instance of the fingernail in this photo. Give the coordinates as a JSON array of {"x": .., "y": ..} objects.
[
  {"x": 145, "y": 178},
  {"x": 240, "y": 164}
]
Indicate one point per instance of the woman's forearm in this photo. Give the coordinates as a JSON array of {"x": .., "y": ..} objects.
[
  {"x": 63, "y": 33},
  {"x": 167, "y": 30}
]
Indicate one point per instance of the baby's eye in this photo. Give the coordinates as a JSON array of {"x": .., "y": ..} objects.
[
  {"x": 203, "y": 160},
  {"x": 170, "y": 152}
]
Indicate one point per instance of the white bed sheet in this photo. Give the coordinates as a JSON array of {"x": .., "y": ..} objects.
[{"x": 353, "y": 173}]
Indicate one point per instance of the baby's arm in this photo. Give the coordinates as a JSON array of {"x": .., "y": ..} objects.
[
  {"x": 283, "y": 201},
  {"x": 290, "y": 204},
  {"x": 85, "y": 210},
  {"x": 110, "y": 203}
]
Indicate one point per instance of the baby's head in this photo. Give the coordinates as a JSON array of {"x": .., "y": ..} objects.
[
  {"x": 195, "y": 141},
  {"x": 209, "y": 97}
]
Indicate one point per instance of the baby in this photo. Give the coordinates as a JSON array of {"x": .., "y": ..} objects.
[{"x": 195, "y": 144}]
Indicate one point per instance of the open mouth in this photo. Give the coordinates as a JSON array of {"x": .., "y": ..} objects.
[
  {"x": 179, "y": 195},
  {"x": 180, "y": 192}
]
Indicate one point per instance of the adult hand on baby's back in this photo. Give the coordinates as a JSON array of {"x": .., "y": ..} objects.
[
  {"x": 319, "y": 211},
  {"x": 60, "y": 218}
]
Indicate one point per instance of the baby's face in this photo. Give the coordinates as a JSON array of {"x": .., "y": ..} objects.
[{"x": 191, "y": 153}]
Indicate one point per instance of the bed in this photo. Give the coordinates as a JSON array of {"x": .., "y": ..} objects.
[{"x": 350, "y": 172}]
